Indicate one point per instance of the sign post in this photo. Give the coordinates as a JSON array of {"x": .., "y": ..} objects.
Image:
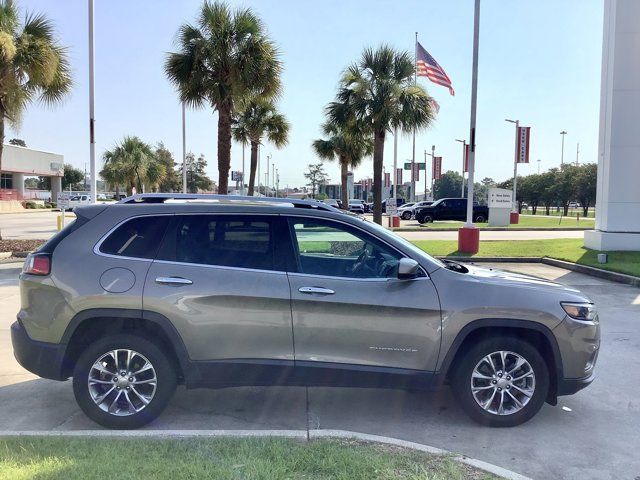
[{"x": 62, "y": 202}]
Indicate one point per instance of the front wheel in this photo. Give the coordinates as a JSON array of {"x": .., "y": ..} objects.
[
  {"x": 123, "y": 381},
  {"x": 501, "y": 382},
  {"x": 480, "y": 219}
]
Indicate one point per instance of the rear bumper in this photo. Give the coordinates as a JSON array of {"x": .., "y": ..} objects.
[
  {"x": 569, "y": 386},
  {"x": 42, "y": 358}
]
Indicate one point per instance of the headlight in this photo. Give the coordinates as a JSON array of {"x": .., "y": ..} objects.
[{"x": 580, "y": 311}]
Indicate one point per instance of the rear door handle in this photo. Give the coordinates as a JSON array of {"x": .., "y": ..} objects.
[
  {"x": 173, "y": 281},
  {"x": 316, "y": 290}
]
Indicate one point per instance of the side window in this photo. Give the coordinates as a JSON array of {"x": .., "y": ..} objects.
[
  {"x": 223, "y": 240},
  {"x": 333, "y": 249},
  {"x": 139, "y": 237}
]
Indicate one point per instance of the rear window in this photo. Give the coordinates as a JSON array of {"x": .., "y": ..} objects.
[
  {"x": 139, "y": 237},
  {"x": 229, "y": 241}
]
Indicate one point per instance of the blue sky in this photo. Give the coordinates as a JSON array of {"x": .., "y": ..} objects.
[{"x": 539, "y": 62}]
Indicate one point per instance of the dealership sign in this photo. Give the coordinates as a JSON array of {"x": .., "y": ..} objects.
[{"x": 523, "y": 144}]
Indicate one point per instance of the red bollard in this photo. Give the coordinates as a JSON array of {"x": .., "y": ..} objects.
[{"x": 469, "y": 240}]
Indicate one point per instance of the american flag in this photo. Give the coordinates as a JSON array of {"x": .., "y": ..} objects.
[{"x": 427, "y": 66}]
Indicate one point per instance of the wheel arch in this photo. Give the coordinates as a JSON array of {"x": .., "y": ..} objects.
[
  {"x": 539, "y": 335},
  {"x": 88, "y": 324}
]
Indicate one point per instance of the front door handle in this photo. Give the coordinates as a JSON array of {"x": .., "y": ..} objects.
[
  {"x": 173, "y": 281},
  {"x": 316, "y": 290}
]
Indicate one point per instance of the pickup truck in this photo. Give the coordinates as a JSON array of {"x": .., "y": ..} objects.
[{"x": 450, "y": 209}]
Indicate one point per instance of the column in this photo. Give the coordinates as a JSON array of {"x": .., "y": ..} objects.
[
  {"x": 18, "y": 184},
  {"x": 618, "y": 195},
  {"x": 56, "y": 187}
]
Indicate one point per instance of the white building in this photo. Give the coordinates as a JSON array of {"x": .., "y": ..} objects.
[{"x": 21, "y": 162}]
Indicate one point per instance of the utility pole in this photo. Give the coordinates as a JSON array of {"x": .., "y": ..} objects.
[
  {"x": 515, "y": 164},
  {"x": 563, "y": 133},
  {"x": 538, "y": 166},
  {"x": 413, "y": 156},
  {"x": 425, "y": 175},
  {"x": 578, "y": 154},
  {"x": 92, "y": 121},
  {"x": 395, "y": 162}
]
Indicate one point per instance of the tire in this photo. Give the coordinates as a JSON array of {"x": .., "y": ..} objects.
[
  {"x": 512, "y": 414},
  {"x": 480, "y": 219},
  {"x": 406, "y": 215},
  {"x": 116, "y": 416},
  {"x": 428, "y": 219}
]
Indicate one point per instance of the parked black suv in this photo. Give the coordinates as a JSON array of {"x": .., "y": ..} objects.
[{"x": 450, "y": 209}]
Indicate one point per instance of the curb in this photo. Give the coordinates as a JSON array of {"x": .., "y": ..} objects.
[
  {"x": 295, "y": 434},
  {"x": 576, "y": 267}
]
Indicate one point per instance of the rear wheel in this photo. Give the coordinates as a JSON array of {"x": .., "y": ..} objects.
[
  {"x": 406, "y": 215},
  {"x": 123, "y": 381},
  {"x": 501, "y": 382},
  {"x": 480, "y": 219}
]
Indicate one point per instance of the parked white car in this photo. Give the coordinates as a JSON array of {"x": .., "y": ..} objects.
[
  {"x": 78, "y": 200},
  {"x": 406, "y": 211}
]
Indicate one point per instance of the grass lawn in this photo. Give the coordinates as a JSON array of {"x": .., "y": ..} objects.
[
  {"x": 220, "y": 458},
  {"x": 570, "y": 249},
  {"x": 526, "y": 221}
]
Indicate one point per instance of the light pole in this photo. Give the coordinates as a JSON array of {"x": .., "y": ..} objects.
[
  {"x": 538, "y": 166},
  {"x": 395, "y": 162},
  {"x": 184, "y": 150},
  {"x": 433, "y": 159},
  {"x": 266, "y": 176},
  {"x": 92, "y": 133},
  {"x": 563, "y": 133},
  {"x": 464, "y": 152},
  {"x": 515, "y": 163}
]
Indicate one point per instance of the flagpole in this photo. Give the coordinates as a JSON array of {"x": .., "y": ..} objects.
[{"x": 413, "y": 157}]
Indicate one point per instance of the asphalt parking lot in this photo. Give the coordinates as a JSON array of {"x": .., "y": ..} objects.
[{"x": 594, "y": 434}]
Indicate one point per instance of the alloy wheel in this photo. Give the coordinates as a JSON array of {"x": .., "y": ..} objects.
[
  {"x": 122, "y": 382},
  {"x": 503, "y": 382}
]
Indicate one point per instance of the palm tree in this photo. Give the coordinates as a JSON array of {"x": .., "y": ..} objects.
[
  {"x": 134, "y": 159},
  {"x": 348, "y": 144},
  {"x": 33, "y": 66},
  {"x": 223, "y": 59},
  {"x": 379, "y": 90},
  {"x": 114, "y": 176},
  {"x": 259, "y": 118}
]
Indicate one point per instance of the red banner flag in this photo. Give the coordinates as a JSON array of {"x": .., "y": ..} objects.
[
  {"x": 415, "y": 175},
  {"x": 467, "y": 148},
  {"x": 437, "y": 168},
  {"x": 523, "y": 144},
  {"x": 398, "y": 176},
  {"x": 387, "y": 179}
]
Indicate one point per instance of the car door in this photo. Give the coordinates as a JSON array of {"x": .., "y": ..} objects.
[
  {"x": 218, "y": 279},
  {"x": 348, "y": 306}
]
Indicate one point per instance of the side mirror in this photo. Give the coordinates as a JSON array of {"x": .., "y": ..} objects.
[{"x": 408, "y": 269}]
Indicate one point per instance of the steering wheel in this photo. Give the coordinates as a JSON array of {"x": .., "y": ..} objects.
[{"x": 365, "y": 264}]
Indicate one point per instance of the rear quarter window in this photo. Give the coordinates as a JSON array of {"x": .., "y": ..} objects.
[{"x": 138, "y": 237}]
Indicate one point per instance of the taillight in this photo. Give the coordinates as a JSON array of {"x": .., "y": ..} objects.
[{"x": 37, "y": 264}]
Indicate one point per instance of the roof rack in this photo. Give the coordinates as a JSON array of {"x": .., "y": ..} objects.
[{"x": 146, "y": 198}]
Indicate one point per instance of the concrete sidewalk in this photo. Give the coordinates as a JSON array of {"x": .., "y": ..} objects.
[{"x": 591, "y": 435}]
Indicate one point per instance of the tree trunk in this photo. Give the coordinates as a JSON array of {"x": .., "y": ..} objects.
[
  {"x": 253, "y": 168},
  {"x": 344, "y": 169},
  {"x": 378, "y": 158},
  {"x": 585, "y": 208},
  {"x": 224, "y": 146},
  {"x": 565, "y": 209},
  {"x": 534, "y": 208}
]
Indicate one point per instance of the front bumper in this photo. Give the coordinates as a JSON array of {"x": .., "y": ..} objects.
[
  {"x": 42, "y": 358},
  {"x": 569, "y": 386}
]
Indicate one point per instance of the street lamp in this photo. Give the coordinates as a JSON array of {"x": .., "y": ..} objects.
[
  {"x": 266, "y": 176},
  {"x": 464, "y": 152},
  {"x": 563, "y": 133},
  {"x": 515, "y": 163}
]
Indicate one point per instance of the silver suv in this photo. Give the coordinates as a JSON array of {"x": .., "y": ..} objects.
[{"x": 135, "y": 298}]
